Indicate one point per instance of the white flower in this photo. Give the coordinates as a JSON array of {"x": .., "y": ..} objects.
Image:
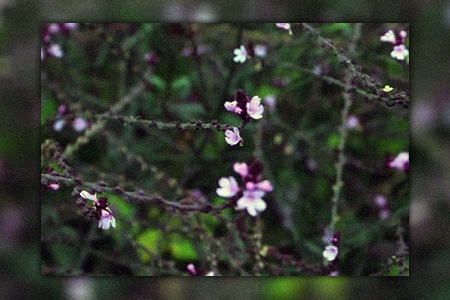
[
  {"x": 71, "y": 26},
  {"x": 59, "y": 125},
  {"x": 107, "y": 220},
  {"x": 400, "y": 52},
  {"x": 260, "y": 50},
  {"x": 53, "y": 28},
  {"x": 210, "y": 273},
  {"x": 240, "y": 54},
  {"x": 232, "y": 106},
  {"x": 54, "y": 186},
  {"x": 353, "y": 122},
  {"x": 252, "y": 202},
  {"x": 228, "y": 187},
  {"x": 286, "y": 26},
  {"x": 400, "y": 162},
  {"x": 89, "y": 196},
  {"x": 55, "y": 50},
  {"x": 241, "y": 169},
  {"x": 79, "y": 124},
  {"x": 255, "y": 108},
  {"x": 232, "y": 137},
  {"x": 388, "y": 37},
  {"x": 330, "y": 252},
  {"x": 387, "y": 89}
]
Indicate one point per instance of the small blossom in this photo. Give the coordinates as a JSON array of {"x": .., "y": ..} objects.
[
  {"x": 252, "y": 202},
  {"x": 353, "y": 122},
  {"x": 260, "y": 50},
  {"x": 400, "y": 52},
  {"x": 70, "y": 26},
  {"x": 59, "y": 125},
  {"x": 388, "y": 37},
  {"x": 53, "y": 28},
  {"x": 255, "y": 108},
  {"x": 240, "y": 54},
  {"x": 330, "y": 252},
  {"x": 79, "y": 124},
  {"x": 241, "y": 169},
  {"x": 387, "y": 89},
  {"x": 55, "y": 51},
  {"x": 191, "y": 268},
  {"x": 384, "y": 214},
  {"x": 106, "y": 220},
  {"x": 285, "y": 26},
  {"x": 400, "y": 162},
  {"x": 89, "y": 196},
  {"x": 380, "y": 200},
  {"x": 210, "y": 273},
  {"x": 334, "y": 273},
  {"x": 232, "y": 106},
  {"x": 54, "y": 186},
  {"x": 228, "y": 187},
  {"x": 232, "y": 137}
]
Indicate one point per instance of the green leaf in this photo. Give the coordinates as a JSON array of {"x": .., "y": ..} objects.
[
  {"x": 48, "y": 110},
  {"x": 149, "y": 239},
  {"x": 156, "y": 81},
  {"x": 181, "y": 248},
  {"x": 333, "y": 141}
]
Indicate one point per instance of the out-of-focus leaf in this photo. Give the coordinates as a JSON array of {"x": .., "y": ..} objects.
[
  {"x": 149, "y": 239},
  {"x": 181, "y": 248},
  {"x": 48, "y": 109}
]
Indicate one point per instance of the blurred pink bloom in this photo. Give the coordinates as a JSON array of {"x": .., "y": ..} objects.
[
  {"x": 54, "y": 186},
  {"x": 240, "y": 54},
  {"x": 232, "y": 106},
  {"x": 255, "y": 108},
  {"x": 55, "y": 51},
  {"x": 241, "y": 169},
  {"x": 330, "y": 252},
  {"x": 353, "y": 122},
  {"x": 265, "y": 186},
  {"x": 380, "y": 200},
  {"x": 260, "y": 50},
  {"x": 388, "y": 37},
  {"x": 384, "y": 214},
  {"x": 252, "y": 202},
  {"x": 228, "y": 187},
  {"x": 107, "y": 220},
  {"x": 232, "y": 137}
]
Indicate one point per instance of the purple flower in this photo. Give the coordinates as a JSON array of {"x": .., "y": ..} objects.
[
  {"x": 240, "y": 54},
  {"x": 232, "y": 137},
  {"x": 241, "y": 169},
  {"x": 79, "y": 124},
  {"x": 228, "y": 187},
  {"x": 103, "y": 213},
  {"x": 265, "y": 186},
  {"x": 252, "y": 202},
  {"x": 232, "y": 106},
  {"x": 255, "y": 108},
  {"x": 106, "y": 220},
  {"x": 55, "y": 51}
]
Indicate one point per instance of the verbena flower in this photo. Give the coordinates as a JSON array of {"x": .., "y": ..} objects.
[
  {"x": 228, "y": 187},
  {"x": 232, "y": 106},
  {"x": 353, "y": 122},
  {"x": 102, "y": 213},
  {"x": 255, "y": 108},
  {"x": 400, "y": 162},
  {"x": 79, "y": 124},
  {"x": 240, "y": 54},
  {"x": 252, "y": 202},
  {"x": 400, "y": 52},
  {"x": 285, "y": 26},
  {"x": 260, "y": 50},
  {"x": 241, "y": 169},
  {"x": 232, "y": 137},
  {"x": 330, "y": 252}
]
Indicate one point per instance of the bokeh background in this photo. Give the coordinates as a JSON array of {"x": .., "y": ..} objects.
[{"x": 19, "y": 152}]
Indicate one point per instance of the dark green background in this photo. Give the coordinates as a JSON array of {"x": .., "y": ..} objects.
[{"x": 430, "y": 124}]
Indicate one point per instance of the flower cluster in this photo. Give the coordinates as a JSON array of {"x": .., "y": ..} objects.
[
  {"x": 243, "y": 53},
  {"x": 99, "y": 210},
  {"x": 400, "y": 162},
  {"x": 250, "y": 195},
  {"x": 247, "y": 109},
  {"x": 48, "y": 31},
  {"x": 398, "y": 40}
]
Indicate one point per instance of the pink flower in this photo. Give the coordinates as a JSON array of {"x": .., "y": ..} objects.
[
  {"x": 353, "y": 122},
  {"x": 241, "y": 169},
  {"x": 400, "y": 162},
  {"x": 380, "y": 200},
  {"x": 252, "y": 202},
  {"x": 106, "y": 220},
  {"x": 240, "y": 54},
  {"x": 228, "y": 187},
  {"x": 285, "y": 26},
  {"x": 330, "y": 252},
  {"x": 54, "y": 186},
  {"x": 260, "y": 50},
  {"x": 255, "y": 108},
  {"x": 232, "y": 137},
  {"x": 400, "y": 52}
]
